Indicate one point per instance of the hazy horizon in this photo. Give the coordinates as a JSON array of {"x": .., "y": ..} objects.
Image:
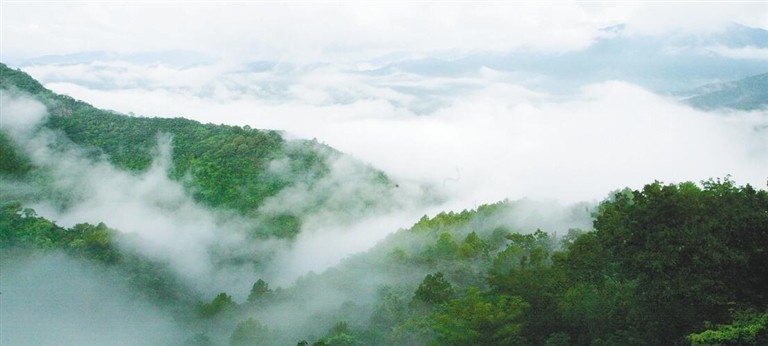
[{"x": 465, "y": 98}]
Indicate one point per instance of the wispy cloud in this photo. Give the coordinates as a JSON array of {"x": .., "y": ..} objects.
[
  {"x": 164, "y": 222},
  {"x": 748, "y": 52},
  {"x": 482, "y": 136},
  {"x": 368, "y": 81}
]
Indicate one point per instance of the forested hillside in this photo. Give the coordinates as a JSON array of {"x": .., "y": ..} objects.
[
  {"x": 665, "y": 264},
  {"x": 221, "y": 166}
]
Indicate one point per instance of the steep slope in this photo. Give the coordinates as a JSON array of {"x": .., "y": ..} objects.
[
  {"x": 247, "y": 185},
  {"x": 750, "y": 93},
  {"x": 225, "y": 167},
  {"x": 663, "y": 264}
]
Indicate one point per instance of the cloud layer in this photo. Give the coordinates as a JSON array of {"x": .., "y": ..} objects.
[
  {"x": 481, "y": 136},
  {"x": 394, "y": 85},
  {"x": 475, "y": 134},
  {"x": 311, "y": 32},
  {"x": 162, "y": 221}
]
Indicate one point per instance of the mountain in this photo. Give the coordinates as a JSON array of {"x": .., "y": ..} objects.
[
  {"x": 475, "y": 277},
  {"x": 749, "y": 93},
  {"x": 664, "y": 264},
  {"x": 666, "y": 63},
  {"x": 225, "y": 167}
]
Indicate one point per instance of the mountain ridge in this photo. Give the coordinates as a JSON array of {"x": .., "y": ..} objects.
[
  {"x": 220, "y": 165},
  {"x": 750, "y": 93},
  {"x": 682, "y": 263}
]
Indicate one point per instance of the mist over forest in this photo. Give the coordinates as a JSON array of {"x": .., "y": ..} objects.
[{"x": 393, "y": 174}]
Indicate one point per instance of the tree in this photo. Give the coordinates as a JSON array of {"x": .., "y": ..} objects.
[
  {"x": 434, "y": 289},
  {"x": 284, "y": 226},
  {"x": 477, "y": 319},
  {"x": 249, "y": 332},
  {"x": 340, "y": 334},
  {"x": 523, "y": 269},
  {"x": 473, "y": 246},
  {"x": 748, "y": 328},
  {"x": 221, "y": 303},
  {"x": 390, "y": 311},
  {"x": 259, "y": 291},
  {"x": 445, "y": 248},
  {"x": 693, "y": 251}
]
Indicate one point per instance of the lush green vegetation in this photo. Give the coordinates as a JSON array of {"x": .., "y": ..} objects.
[
  {"x": 222, "y": 166},
  {"x": 13, "y": 164},
  {"x": 665, "y": 264}
]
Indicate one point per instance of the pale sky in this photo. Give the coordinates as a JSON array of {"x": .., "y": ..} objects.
[{"x": 338, "y": 31}]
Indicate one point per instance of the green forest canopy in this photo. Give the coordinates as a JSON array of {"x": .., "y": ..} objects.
[
  {"x": 228, "y": 166},
  {"x": 665, "y": 264}
]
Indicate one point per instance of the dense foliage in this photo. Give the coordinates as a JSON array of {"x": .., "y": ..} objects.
[
  {"x": 666, "y": 264},
  {"x": 222, "y": 166},
  {"x": 13, "y": 164}
]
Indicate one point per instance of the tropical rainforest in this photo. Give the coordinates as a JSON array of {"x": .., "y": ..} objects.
[{"x": 674, "y": 264}]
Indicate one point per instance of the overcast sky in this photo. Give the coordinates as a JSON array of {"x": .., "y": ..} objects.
[
  {"x": 305, "y": 31},
  {"x": 482, "y": 135}
]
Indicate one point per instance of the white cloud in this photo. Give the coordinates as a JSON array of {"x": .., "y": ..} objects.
[
  {"x": 479, "y": 136},
  {"x": 486, "y": 138},
  {"x": 342, "y": 206},
  {"x": 658, "y": 18},
  {"x": 317, "y": 249},
  {"x": 311, "y": 32},
  {"x": 33, "y": 112},
  {"x": 150, "y": 205},
  {"x": 748, "y": 52},
  {"x": 307, "y": 32}
]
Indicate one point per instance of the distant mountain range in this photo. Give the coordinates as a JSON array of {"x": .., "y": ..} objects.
[
  {"x": 749, "y": 93},
  {"x": 669, "y": 63}
]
